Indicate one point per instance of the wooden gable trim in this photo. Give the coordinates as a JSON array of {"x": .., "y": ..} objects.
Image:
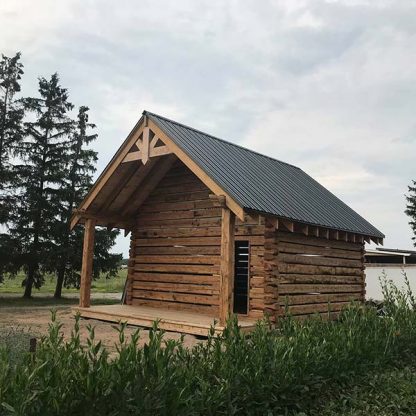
[
  {"x": 147, "y": 148},
  {"x": 109, "y": 170},
  {"x": 193, "y": 166}
]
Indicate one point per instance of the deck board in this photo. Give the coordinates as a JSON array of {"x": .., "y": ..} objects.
[{"x": 169, "y": 320}]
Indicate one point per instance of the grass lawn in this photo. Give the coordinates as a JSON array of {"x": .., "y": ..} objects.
[{"x": 102, "y": 285}]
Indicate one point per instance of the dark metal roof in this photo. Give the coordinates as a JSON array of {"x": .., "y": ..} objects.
[{"x": 263, "y": 184}]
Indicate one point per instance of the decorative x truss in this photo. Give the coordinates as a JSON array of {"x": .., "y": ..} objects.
[{"x": 148, "y": 147}]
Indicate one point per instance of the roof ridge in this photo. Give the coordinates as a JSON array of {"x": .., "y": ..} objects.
[{"x": 145, "y": 112}]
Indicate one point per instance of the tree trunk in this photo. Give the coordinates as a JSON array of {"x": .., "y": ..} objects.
[
  {"x": 59, "y": 283},
  {"x": 29, "y": 282}
]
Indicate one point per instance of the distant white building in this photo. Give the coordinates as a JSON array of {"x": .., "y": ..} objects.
[{"x": 393, "y": 263}]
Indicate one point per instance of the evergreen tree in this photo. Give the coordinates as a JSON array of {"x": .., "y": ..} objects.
[
  {"x": 78, "y": 181},
  {"x": 411, "y": 209},
  {"x": 44, "y": 153},
  {"x": 11, "y": 115}
]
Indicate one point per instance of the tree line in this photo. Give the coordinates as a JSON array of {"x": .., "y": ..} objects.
[{"x": 46, "y": 169}]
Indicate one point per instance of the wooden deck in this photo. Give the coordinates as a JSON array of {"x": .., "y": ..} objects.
[{"x": 169, "y": 320}]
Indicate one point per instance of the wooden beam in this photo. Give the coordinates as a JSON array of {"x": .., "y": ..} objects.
[
  {"x": 334, "y": 234},
  {"x": 227, "y": 264},
  {"x": 324, "y": 232},
  {"x": 159, "y": 151},
  {"x": 145, "y": 148},
  {"x": 193, "y": 166},
  {"x": 105, "y": 220},
  {"x": 272, "y": 222},
  {"x": 156, "y": 175},
  {"x": 218, "y": 200},
  {"x": 132, "y": 156},
  {"x": 87, "y": 260},
  {"x": 314, "y": 231},
  {"x": 289, "y": 225},
  {"x": 131, "y": 187}
]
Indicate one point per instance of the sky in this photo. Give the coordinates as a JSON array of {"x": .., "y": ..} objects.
[{"x": 329, "y": 86}]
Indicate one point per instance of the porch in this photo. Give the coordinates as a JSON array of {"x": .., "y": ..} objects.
[{"x": 169, "y": 319}]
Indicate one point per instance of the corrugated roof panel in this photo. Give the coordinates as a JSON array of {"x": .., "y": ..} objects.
[{"x": 260, "y": 183}]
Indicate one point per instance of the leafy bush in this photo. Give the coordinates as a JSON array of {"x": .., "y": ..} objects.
[{"x": 271, "y": 371}]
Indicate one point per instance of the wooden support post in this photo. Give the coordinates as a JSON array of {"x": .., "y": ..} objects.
[
  {"x": 227, "y": 264},
  {"x": 87, "y": 259}
]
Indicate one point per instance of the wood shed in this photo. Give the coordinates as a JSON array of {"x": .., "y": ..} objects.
[{"x": 217, "y": 229}]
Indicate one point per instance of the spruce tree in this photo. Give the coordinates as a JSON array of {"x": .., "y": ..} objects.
[
  {"x": 11, "y": 115},
  {"x": 411, "y": 208},
  {"x": 42, "y": 172},
  {"x": 78, "y": 181}
]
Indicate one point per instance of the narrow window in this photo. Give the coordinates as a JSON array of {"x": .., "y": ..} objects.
[{"x": 241, "y": 277}]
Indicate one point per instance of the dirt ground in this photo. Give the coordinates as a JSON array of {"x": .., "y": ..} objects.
[{"x": 36, "y": 321}]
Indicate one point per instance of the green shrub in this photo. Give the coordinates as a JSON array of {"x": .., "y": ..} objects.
[
  {"x": 14, "y": 342},
  {"x": 270, "y": 371}
]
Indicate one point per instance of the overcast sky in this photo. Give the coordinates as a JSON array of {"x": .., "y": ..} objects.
[{"x": 328, "y": 86}]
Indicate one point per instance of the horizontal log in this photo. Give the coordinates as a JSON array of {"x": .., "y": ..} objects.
[
  {"x": 319, "y": 278},
  {"x": 193, "y": 241},
  {"x": 324, "y": 316},
  {"x": 184, "y": 250},
  {"x": 318, "y": 288},
  {"x": 176, "y": 297},
  {"x": 196, "y": 232},
  {"x": 254, "y": 240},
  {"x": 319, "y": 250},
  {"x": 177, "y": 206},
  {"x": 158, "y": 259},
  {"x": 179, "y": 197},
  {"x": 143, "y": 216},
  {"x": 144, "y": 224},
  {"x": 317, "y": 308},
  {"x": 318, "y": 260},
  {"x": 176, "y": 278},
  {"x": 255, "y": 313},
  {"x": 185, "y": 241},
  {"x": 203, "y": 309},
  {"x": 311, "y": 269},
  {"x": 256, "y": 281},
  {"x": 178, "y": 188},
  {"x": 177, "y": 287},
  {"x": 310, "y": 299},
  {"x": 177, "y": 268}
]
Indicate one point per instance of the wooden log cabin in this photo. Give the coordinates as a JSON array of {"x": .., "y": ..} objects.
[{"x": 217, "y": 229}]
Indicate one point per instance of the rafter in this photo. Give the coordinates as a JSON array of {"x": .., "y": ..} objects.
[
  {"x": 105, "y": 220},
  {"x": 156, "y": 175}
]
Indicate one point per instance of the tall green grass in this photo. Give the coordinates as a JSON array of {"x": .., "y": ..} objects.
[{"x": 271, "y": 371}]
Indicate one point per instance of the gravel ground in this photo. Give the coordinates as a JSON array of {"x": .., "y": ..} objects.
[{"x": 35, "y": 320}]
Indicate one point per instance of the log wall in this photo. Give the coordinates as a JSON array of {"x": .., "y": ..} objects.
[
  {"x": 175, "y": 258},
  {"x": 175, "y": 248},
  {"x": 314, "y": 271}
]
